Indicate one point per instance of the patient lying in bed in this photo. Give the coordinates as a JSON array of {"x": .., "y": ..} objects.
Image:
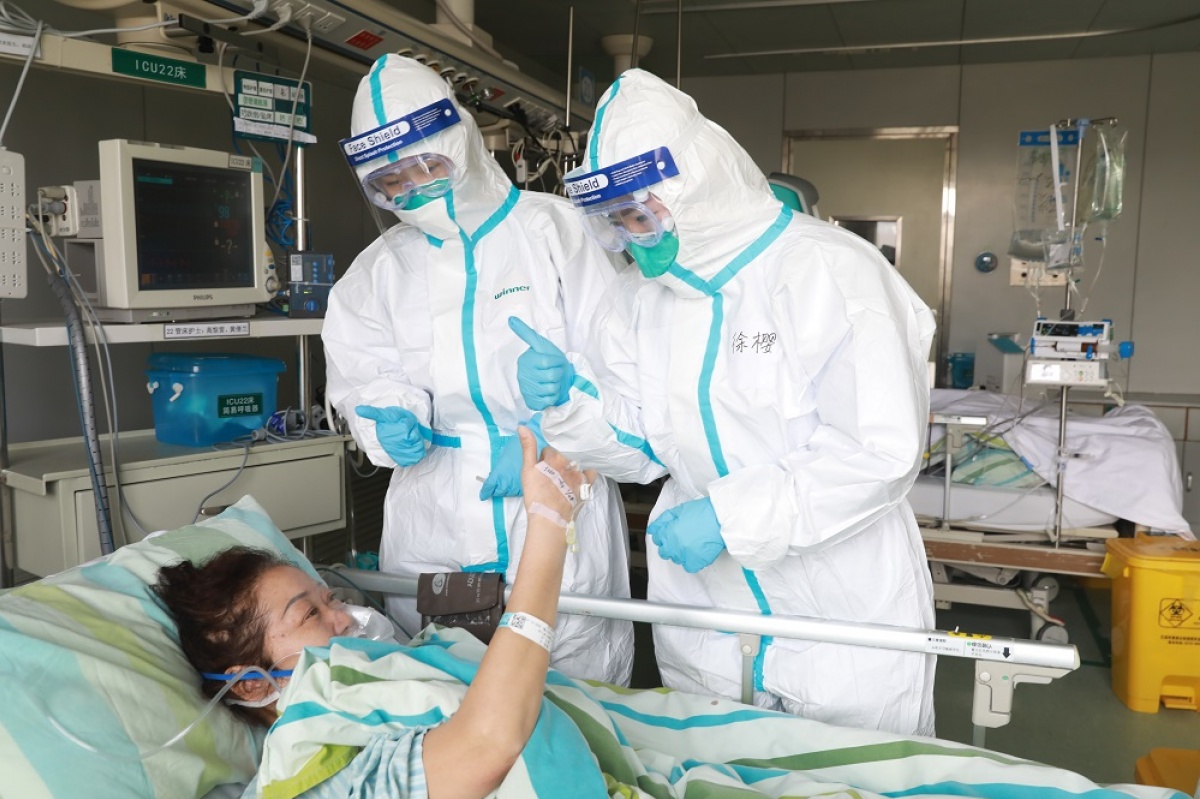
[{"x": 446, "y": 716}]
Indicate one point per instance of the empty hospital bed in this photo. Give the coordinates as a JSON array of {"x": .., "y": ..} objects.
[
  {"x": 93, "y": 679},
  {"x": 990, "y": 518}
]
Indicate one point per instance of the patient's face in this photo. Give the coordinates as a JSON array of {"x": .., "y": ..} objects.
[{"x": 299, "y": 612}]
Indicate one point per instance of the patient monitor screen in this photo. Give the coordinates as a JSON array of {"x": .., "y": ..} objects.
[{"x": 194, "y": 226}]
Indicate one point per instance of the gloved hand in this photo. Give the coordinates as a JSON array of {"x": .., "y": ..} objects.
[
  {"x": 688, "y": 534},
  {"x": 505, "y": 479},
  {"x": 543, "y": 372},
  {"x": 398, "y": 431}
]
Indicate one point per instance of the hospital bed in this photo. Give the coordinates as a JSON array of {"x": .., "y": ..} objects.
[
  {"x": 987, "y": 501},
  {"x": 93, "y": 677}
]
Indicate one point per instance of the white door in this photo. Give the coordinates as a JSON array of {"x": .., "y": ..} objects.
[{"x": 909, "y": 180}]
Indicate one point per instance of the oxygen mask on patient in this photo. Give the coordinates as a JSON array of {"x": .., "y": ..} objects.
[{"x": 369, "y": 623}]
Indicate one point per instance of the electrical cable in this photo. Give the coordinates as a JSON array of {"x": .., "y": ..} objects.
[
  {"x": 991, "y": 514},
  {"x": 221, "y": 49},
  {"x": 285, "y": 16},
  {"x": 227, "y": 484},
  {"x": 292, "y": 121},
  {"x": 1037, "y": 610},
  {"x": 20, "y": 22},
  {"x": 81, "y": 377},
  {"x": 104, "y": 357},
  {"x": 37, "y": 36}
]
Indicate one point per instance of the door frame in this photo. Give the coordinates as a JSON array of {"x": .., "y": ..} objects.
[{"x": 948, "y": 133}]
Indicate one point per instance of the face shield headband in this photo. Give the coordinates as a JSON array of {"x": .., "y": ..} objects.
[
  {"x": 617, "y": 205},
  {"x": 399, "y": 133}
]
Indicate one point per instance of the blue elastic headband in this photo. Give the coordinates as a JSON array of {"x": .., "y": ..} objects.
[
  {"x": 618, "y": 180},
  {"x": 213, "y": 675},
  {"x": 400, "y": 133}
]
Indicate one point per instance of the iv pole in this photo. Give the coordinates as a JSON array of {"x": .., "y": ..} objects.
[{"x": 1067, "y": 313}]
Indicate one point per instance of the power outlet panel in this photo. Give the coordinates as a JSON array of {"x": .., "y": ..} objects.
[
  {"x": 14, "y": 274},
  {"x": 1022, "y": 273}
]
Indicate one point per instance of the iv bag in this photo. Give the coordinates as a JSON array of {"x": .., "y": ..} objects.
[
  {"x": 1044, "y": 202},
  {"x": 1103, "y": 172}
]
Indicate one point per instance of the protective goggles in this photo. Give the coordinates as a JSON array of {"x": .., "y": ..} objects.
[
  {"x": 617, "y": 205},
  {"x": 638, "y": 218},
  {"x": 394, "y": 186}
]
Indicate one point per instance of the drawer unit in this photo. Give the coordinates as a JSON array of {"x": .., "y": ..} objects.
[{"x": 301, "y": 485}]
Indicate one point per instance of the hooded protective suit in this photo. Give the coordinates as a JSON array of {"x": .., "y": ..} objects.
[
  {"x": 420, "y": 322},
  {"x": 777, "y": 368}
]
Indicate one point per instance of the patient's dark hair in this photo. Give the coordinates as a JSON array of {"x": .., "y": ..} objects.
[{"x": 214, "y": 607}]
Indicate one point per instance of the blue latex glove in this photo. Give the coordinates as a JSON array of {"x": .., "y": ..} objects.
[
  {"x": 688, "y": 534},
  {"x": 543, "y": 372},
  {"x": 398, "y": 431},
  {"x": 505, "y": 479}
]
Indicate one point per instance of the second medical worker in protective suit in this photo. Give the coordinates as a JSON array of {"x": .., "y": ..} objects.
[
  {"x": 420, "y": 356},
  {"x": 774, "y": 366}
]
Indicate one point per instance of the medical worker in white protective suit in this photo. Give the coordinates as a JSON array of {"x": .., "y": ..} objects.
[
  {"x": 774, "y": 366},
  {"x": 420, "y": 356}
]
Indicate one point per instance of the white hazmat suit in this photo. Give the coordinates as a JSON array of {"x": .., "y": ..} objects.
[
  {"x": 420, "y": 322},
  {"x": 777, "y": 368}
]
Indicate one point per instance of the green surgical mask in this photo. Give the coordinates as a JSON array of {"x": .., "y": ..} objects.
[
  {"x": 656, "y": 260},
  {"x": 426, "y": 194}
]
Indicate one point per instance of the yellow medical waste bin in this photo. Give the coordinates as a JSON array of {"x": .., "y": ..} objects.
[
  {"x": 1169, "y": 768},
  {"x": 1155, "y": 621}
]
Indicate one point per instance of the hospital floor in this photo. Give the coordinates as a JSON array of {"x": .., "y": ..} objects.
[{"x": 1075, "y": 722}]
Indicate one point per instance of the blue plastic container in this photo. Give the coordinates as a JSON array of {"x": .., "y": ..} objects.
[
  {"x": 962, "y": 369},
  {"x": 200, "y": 400}
]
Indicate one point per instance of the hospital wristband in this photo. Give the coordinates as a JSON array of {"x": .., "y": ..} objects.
[
  {"x": 554, "y": 477},
  {"x": 530, "y": 627}
]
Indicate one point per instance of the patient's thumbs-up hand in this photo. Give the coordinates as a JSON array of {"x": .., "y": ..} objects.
[{"x": 543, "y": 372}]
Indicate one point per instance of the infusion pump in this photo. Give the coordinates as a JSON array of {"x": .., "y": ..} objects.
[{"x": 1067, "y": 353}]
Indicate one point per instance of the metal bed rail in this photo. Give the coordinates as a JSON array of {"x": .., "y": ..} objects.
[{"x": 1000, "y": 663}]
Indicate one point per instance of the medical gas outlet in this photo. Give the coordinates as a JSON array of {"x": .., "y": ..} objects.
[{"x": 1065, "y": 353}]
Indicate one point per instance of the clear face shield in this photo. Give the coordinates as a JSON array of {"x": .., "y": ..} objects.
[
  {"x": 395, "y": 165},
  {"x": 622, "y": 212},
  {"x": 618, "y": 204}
]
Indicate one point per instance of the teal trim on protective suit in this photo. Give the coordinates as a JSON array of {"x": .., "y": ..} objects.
[
  {"x": 472, "y": 363},
  {"x": 755, "y": 249},
  {"x": 439, "y": 439},
  {"x": 634, "y": 442},
  {"x": 585, "y": 385},
  {"x": 628, "y": 439},
  {"x": 712, "y": 286},
  {"x": 704, "y": 389},
  {"x": 591, "y": 150},
  {"x": 689, "y": 277},
  {"x": 377, "y": 100}
]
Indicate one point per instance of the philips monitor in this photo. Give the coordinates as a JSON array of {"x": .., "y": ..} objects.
[{"x": 176, "y": 233}]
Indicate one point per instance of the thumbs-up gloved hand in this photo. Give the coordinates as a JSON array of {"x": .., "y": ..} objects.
[
  {"x": 398, "y": 431},
  {"x": 543, "y": 372}
]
